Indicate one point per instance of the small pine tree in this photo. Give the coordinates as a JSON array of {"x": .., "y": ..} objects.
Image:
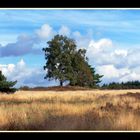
[
  {"x": 96, "y": 77},
  {"x": 6, "y": 86}
]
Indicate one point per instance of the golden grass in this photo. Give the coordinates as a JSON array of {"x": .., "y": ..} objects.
[{"x": 71, "y": 110}]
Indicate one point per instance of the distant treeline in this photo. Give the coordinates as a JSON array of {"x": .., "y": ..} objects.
[
  {"x": 113, "y": 85},
  {"x": 53, "y": 88},
  {"x": 123, "y": 85}
]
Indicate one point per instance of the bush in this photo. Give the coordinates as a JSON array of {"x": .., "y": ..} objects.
[{"x": 6, "y": 86}]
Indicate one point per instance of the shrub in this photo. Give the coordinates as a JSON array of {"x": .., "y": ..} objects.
[{"x": 6, "y": 86}]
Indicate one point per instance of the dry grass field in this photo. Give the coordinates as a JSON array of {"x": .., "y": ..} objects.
[{"x": 71, "y": 110}]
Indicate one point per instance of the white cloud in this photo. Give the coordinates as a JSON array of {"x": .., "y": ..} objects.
[
  {"x": 23, "y": 74},
  {"x": 99, "y": 52},
  {"x": 7, "y": 69},
  {"x": 21, "y": 64},
  {"x": 82, "y": 41},
  {"x": 99, "y": 46},
  {"x": 19, "y": 72},
  {"x": 120, "y": 52},
  {"x": 45, "y": 31},
  {"x": 110, "y": 71},
  {"x": 131, "y": 77},
  {"x": 105, "y": 52},
  {"x": 116, "y": 64},
  {"x": 15, "y": 71},
  {"x": 64, "y": 30},
  {"x": 11, "y": 67}
]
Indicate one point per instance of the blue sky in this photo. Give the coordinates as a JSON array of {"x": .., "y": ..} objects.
[{"x": 110, "y": 36}]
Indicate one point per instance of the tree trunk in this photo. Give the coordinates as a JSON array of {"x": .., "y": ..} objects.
[{"x": 61, "y": 83}]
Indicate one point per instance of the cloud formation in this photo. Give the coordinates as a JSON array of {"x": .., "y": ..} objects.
[
  {"x": 64, "y": 30},
  {"x": 25, "y": 75},
  {"x": 114, "y": 62},
  {"x": 111, "y": 73},
  {"x": 26, "y": 44},
  {"x": 45, "y": 32},
  {"x": 23, "y": 45}
]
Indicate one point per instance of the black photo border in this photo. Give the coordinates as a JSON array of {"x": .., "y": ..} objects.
[{"x": 50, "y": 4}]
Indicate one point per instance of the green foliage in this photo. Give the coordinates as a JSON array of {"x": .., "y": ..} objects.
[
  {"x": 96, "y": 78},
  {"x": 6, "y": 86},
  {"x": 126, "y": 85},
  {"x": 58, "y": 55},
  {"x": 66, "y": 63},
  {"x": 82, "y": 73}
]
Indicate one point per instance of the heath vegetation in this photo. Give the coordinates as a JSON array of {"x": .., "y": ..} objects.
[{"x": 70, "y": 110}]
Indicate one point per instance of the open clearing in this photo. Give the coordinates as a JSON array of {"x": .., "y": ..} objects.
[{"x": 71, "y": 110}]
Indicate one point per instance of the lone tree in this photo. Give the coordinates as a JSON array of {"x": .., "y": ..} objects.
[
  {"x": 6, "y": 86},
  {"x": 66, "y": 63}
]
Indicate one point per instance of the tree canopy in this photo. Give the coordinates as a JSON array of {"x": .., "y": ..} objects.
[{"x": 64, "y": 62}]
